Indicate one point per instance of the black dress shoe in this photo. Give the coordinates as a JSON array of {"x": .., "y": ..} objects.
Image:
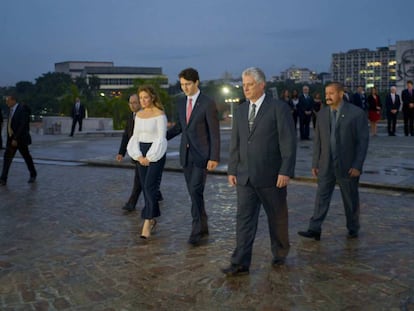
[
  {"x": 277, "y": 262},
  {"x": 2, "y": 182},
  {"x": 194, "y": 240},
  {"x": 235, "y": 270},
  {"x": 352, "y": 235},
  {"x": 310, "y": 234},
  {"x": 128, "y": 207},
  {"x": 32, "y": 179}
]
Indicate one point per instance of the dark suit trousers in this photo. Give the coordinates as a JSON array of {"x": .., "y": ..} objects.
[
  {"x": 304, "y": 124},
  {"x": 408, "y": 121},
  {"x": 392, "y": 122},
  {"x": 136, "y": 188},
  {"x": 76, "y": 119},
  {"x": 350, "y": 198},
  {"x": 9, "y": 154},
  {"x": 274, "y": 203},
  {"x": 195, "y": 178}
]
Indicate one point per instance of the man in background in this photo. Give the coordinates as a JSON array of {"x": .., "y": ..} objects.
[
  {"x": 18, "y": 138},
  {"x": 78, "y": 114}
]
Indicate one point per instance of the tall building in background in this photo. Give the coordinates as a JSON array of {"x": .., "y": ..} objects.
[
  {"x": 364, "y": 67},
  {"x": 75, "y": 68},
  {"x": 382, "y": 68}
]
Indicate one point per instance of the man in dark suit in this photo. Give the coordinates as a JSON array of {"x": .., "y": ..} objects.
[
  {"x": 305, "y": 108},
  {"x": 129, "y": 129},
  {"x": 78, "y": 114},
  {"x": 407, "y": 97},
  {"x": 197, "y": 121},
  {"x": 1, "y": 127},
  {"x": 339, "y": 150},
  {"x": 359, "y": 99},
  {"x": 18, "y": 138},
  {"x": 392, "y": 105},
  {"x": 262, "y": 161}
]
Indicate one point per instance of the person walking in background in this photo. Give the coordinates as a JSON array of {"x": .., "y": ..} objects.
[
  {"x": 392, "y": 104},
  {"x": 262, "y": 161},
  {"x": 148, "y": 146},
  {"x": 197, "y": 121},
  {"x": 305, "y": 108},
  {"x": 374, "y": 110},
  {"x": 407, "y": 97},
  {"x": 78, "y": 114},
  {"x": 1, "y": 128},
  {"x": 128, "y": 131},
  {"x": 347, "y": 95},
  {"x": 18, "y": 138},
  {"x": 339, "y": 150}
]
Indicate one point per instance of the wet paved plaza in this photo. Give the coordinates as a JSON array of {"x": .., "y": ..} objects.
[{"x": 67, "y": 245}]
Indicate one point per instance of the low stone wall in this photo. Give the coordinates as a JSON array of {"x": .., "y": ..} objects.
[{"x": 63, "y": 125}]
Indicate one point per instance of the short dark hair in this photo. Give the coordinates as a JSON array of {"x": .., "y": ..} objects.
[
  {"x": 337, "y": 85},
  {"x": 410, "y": 82},
  {"x": 189, "y": 74}
]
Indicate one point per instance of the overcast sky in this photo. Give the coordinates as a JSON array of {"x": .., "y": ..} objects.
[{"x": 214, "y": 36}]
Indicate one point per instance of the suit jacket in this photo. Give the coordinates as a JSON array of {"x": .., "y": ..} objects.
[
  {"x": 128, "y": 131},
  {"x": 201, "y": 136},
  {"x": 360, "y": 100},
  {"x": 390, "y": 105},
  {"x": 305, "y": 104},
  {"x": 352, "y": 137},
  {"x": 81, "y": 111},
  {"x": 20, "y": 124},
  {"x": 266, "y": 151},
  {"x": 407, "y": 99}
]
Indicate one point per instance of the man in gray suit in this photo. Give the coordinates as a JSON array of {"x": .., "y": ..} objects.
[
  {"x": 339, "y": 150},
  {"x": 262, "y": 161}
]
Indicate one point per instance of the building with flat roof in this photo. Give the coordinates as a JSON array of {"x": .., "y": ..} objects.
[
  {"x": 384, "y": 67},
  {"x": 75, "y": 68},
  {"x": 113, "y": 79}
]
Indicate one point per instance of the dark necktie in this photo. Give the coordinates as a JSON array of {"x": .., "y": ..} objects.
[
  {"x": 252, "y": 116},
  {"x": 333, "y": 138}
]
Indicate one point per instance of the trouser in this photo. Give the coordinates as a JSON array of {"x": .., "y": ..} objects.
[
  {"x": 9, "y": 154},
  {"x": 274, "y": 201},
  {"x": 195, "y": 178},
  {"x": 350, "y": 198},
  {"x": 149, "y": 178}
]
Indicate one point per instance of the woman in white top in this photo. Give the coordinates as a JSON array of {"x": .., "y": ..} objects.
[{"x": 148, "y": 146}]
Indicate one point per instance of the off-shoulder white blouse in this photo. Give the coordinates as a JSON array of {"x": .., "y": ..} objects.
[{"x": 149, "y": 130}]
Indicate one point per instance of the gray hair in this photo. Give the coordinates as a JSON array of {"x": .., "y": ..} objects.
[{"x": 256, "y": 73}]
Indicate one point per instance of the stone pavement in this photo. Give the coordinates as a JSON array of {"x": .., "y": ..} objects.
[{"x": 66, "y": 245}]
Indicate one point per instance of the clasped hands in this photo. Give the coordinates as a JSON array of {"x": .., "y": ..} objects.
[{"x": 143, "y": 161}]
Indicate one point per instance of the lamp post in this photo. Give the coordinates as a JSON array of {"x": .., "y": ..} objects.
[{"x": 226, "y": 91}]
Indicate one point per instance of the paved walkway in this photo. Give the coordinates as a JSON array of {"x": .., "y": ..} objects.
[{"x": 66, "y": 245}]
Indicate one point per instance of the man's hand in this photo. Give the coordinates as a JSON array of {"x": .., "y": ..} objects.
[
  {"x": 211, "y": 165},
  {"x": 315, "y": 172},
  {"x": 282, "y": 181},
  {"x": 119, "y": 157},
  {"x": 232, "y": 180},
  {"x": 353, "y": 172}
]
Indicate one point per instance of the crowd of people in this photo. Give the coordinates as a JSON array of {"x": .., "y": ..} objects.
[
  {"x": 262, "y": 153},
  {"x": 305, "y": 108}
]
